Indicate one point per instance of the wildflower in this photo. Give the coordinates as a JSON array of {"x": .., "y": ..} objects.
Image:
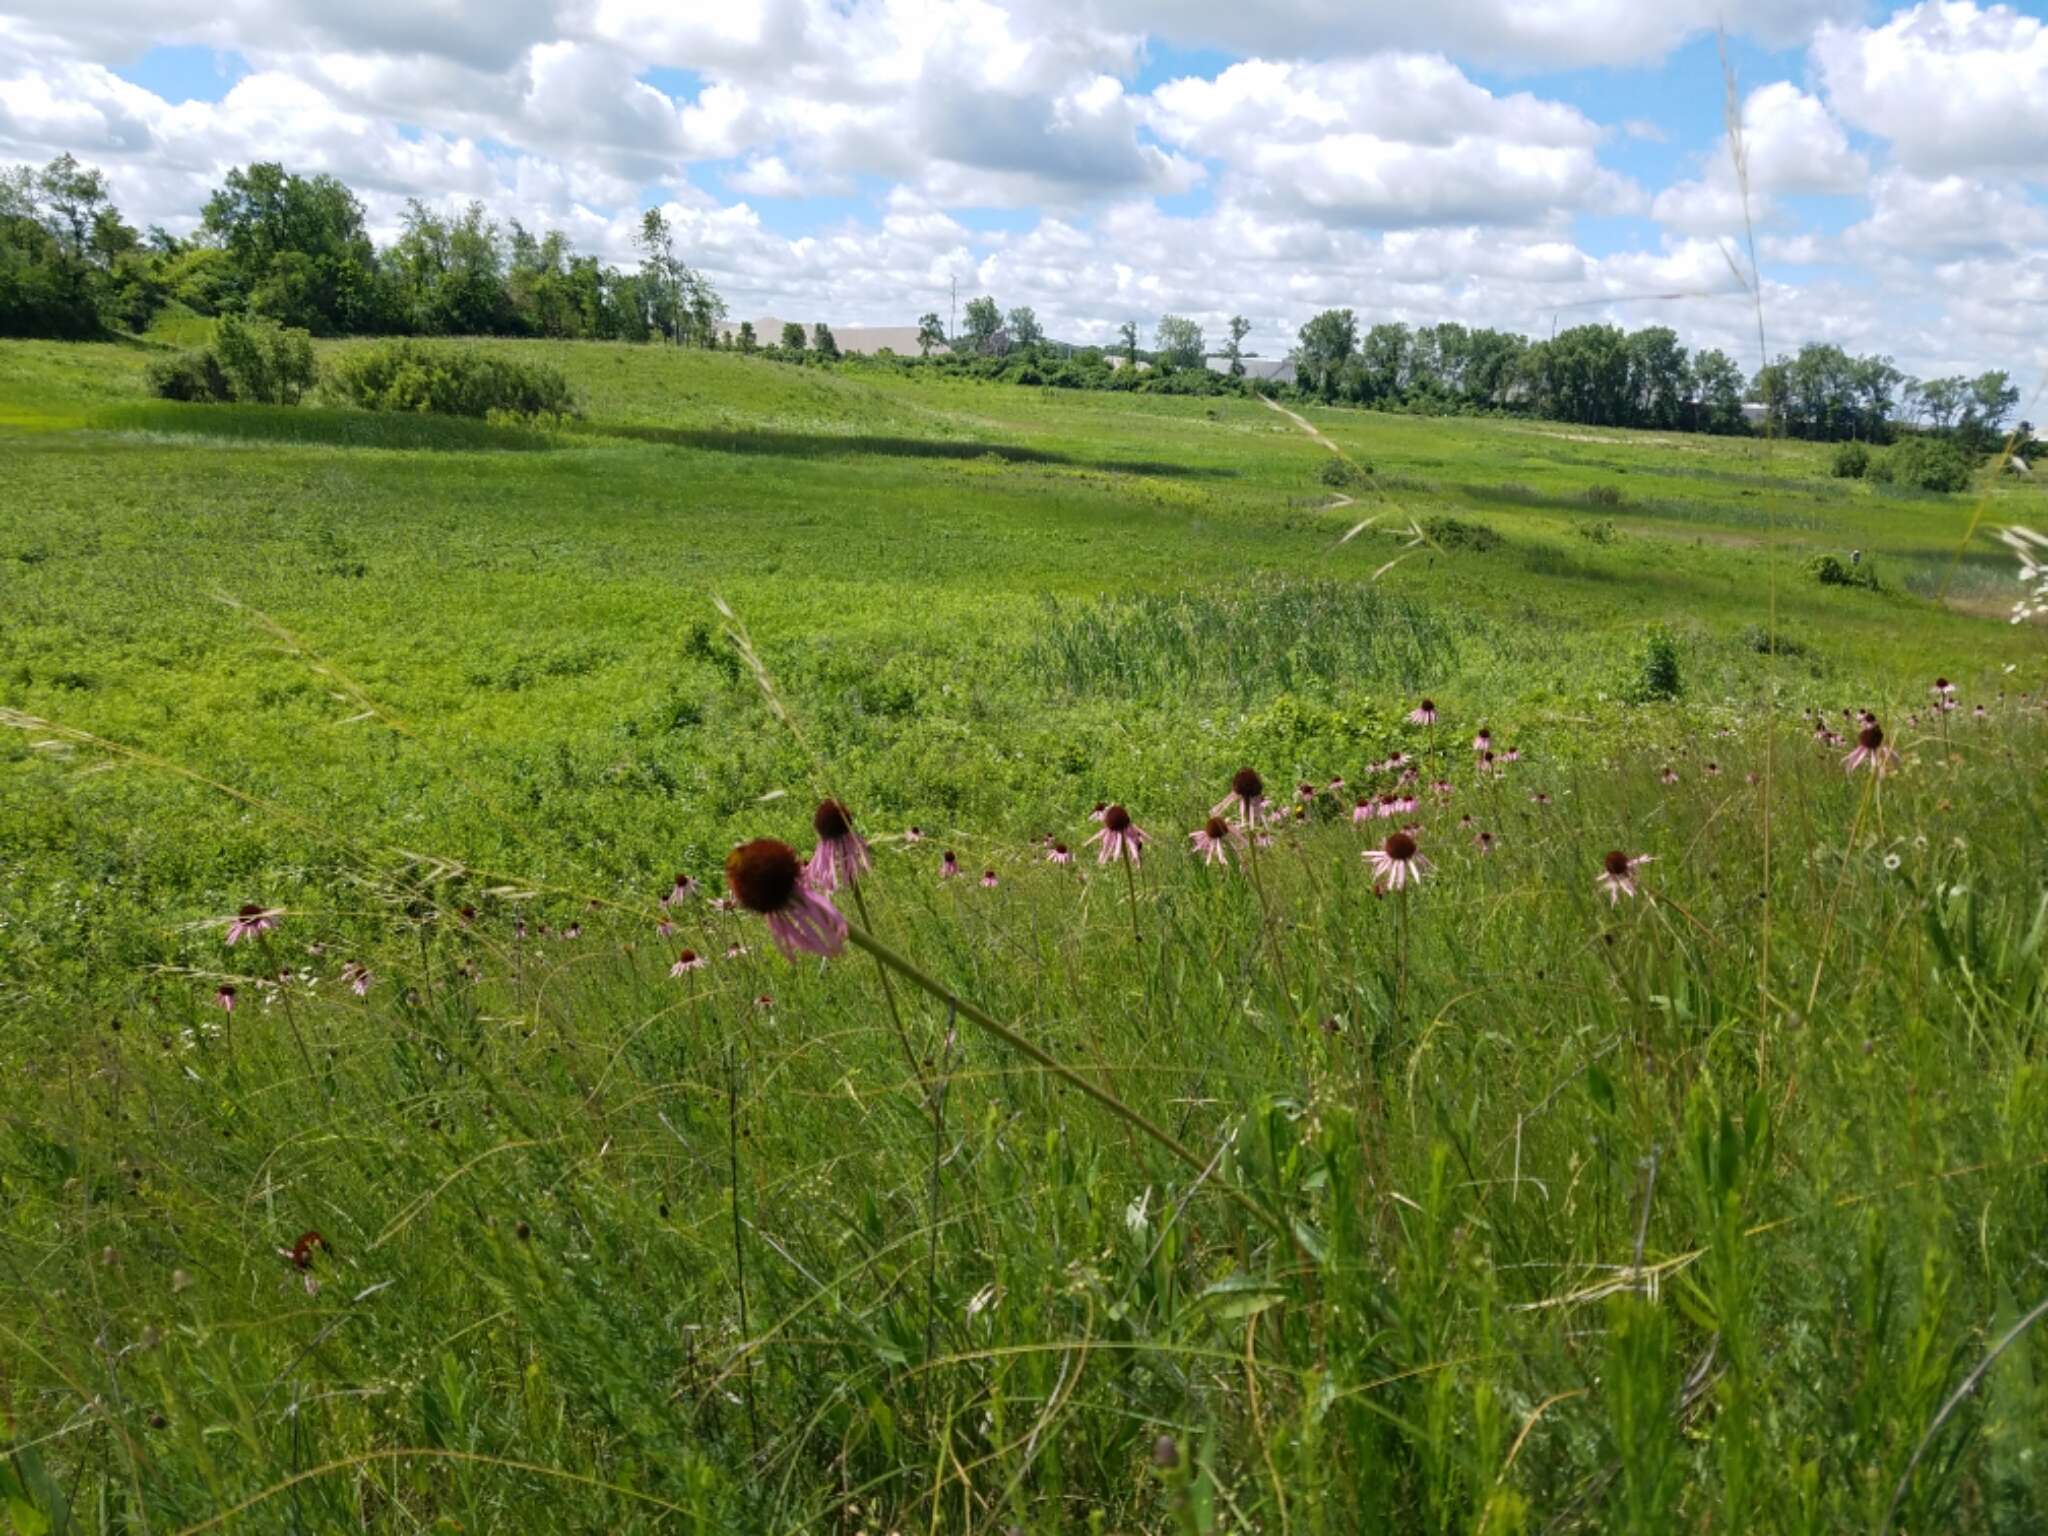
[
  {"x": 1539, "y": 798},
  {"x": 1212, "y": 840},
  {"x": 1482, "y": 744},
  {"x": 689, "y": 960},
  {"x": 1390, "y": 807},
  {"x": 1891, "y": 861},
  {"x": 1511, "y": 755},
  {"x": 765, "y": 877},
  {"x": 1397, "y": 861},
  {"x": 1484, "y": 842},
  {"x": 724, "y": 904},
  {"x": 573, "y": 931},
  {"x": 466, "y": 915},
  {"x": 1870, "y": 748},
  {"x": 300, "y": 1257},
  {"x": 735, "y": 951},
  {"x": 949, "y": 866},
  {"x": 914, "y": 835},
  {"x": 842, "y": 855},
  {"x": 1669, "y": 775},
  {"x": 1980, "y": 713},
  {"x": 357, "y": 975},
  {"x": 683, "y": 888},
  {"x": 1363, "y": 811},
  {"x": 1306, "y": 791},
  {"x": 1247, "y": 795},
  {"x": 765, "y": 1000},
  {"x": 1101, "y": 810},
  {"x": 664, "y": 929},
  {"x": 1713, "y": 770},
  {"x": 1943, "y": 688},
  {"x": 1486, "y": 763},
  {"x": 252, "y": 921},
  {"x": 519, "y": 929},
  {"x": 1423, "y": 713},
  {"x": 1441, "y": 789},
  {"x": 1618, "y": 874},
  {"x": 1395, "y": 760},
  {"x": 1336, "y": 785},
  {"x": 988, "y": 880},
  {"x": 224, "y": 998},
  {"x": 1059, "y": 853},
  {"x": 1121, "y": 838}
]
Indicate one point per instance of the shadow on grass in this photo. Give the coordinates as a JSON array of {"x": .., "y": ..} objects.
[
  {"x": 316, "y": 425},
  {"x": 826, "y": 445}
]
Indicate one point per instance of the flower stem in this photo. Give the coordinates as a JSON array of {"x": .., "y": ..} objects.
[
  {"x": 1109, "y": 1101},
  {"x": 1131, "y": 882},
  {"x": 1827, "y": 929}
]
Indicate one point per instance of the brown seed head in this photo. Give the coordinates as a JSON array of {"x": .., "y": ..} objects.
[
  {"x": 688, "y": 957},
  {"x": 1217, "y": 828},
  {"x": 830, "y": 820},
  {"x": 1117, "y": 819},
  {"x": 762, "y": 875},
  {"x": 1616, "y": 864},
  {"x": 1246, "y": 784},
  {"x": 1871, "y": 737},
  {"x": 250, "y": 909},
  {"x": 1400, "y": 846}
]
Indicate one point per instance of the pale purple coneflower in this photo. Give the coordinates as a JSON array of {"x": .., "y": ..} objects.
[
  {"x": 765, "y": 878},
  {"x": 681, "y": 890},
  {"x": 765, "y": 1001},
  {"x": 357, "y": 975},
  {"x": 1669, "y": 775},
  {"x": 1484, "y": 842},
  {"x": 1512, "y": 755},
  {"x": 1397, "y": 861},
  {"x": 914, "y": 835},
  {"x": 724, "y": 904},
  {"x": 735, "y": 951},
  {"x": 1365, "y": 810},
  {"x": 1483, "y": 742},
  {"x": 949, "y": 866},
  {"x": 1537, "y": 797},
  {"x": 1121, "y": 838},
  {"x": 1405, "y": 805},
  {"x": 689, "y": 960},
  {"x": 664, "y": 929},
  {"x": 519, "y": 929},
  {"x": 988, "y": 880},
  {"x": 1213, "y": 839},
  {"x": 1101, "y": 810},
  {"x": 1713, "y": 770},
  {"x": 1980, "y": 713},
  {"x": 841, "y": 856},
  {"x": 1487, "y": 764},
  {"x": 1618, "y": 874},
  {"x": 224, "y": 998},
  {"x": 1943, "y": 688},
  {"x": 1306, "y": 791},
  {"x": 1336, "y": 785},
  {"x": 573, "y": 931},
  {"x": 1395, "y": 760},
  {"x": 1442, "y": 789},
  {"x": 1247, "y": 797},
  {"x": 1423, "y": 713},
  {"x": 1751, "y": 779},
  {"x": 1870, "y": 748},
  {"x": 251, "y": 922},
  {"x": 1059, "y": 853}
]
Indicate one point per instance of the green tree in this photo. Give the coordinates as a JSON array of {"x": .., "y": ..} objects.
[
  {"x": 747, "y": 340},
  {"x": 792, "y": 337},
  {"x": 1234, "y": 348},
  {"x": 930, "y": 333},
  {"x": 299, "y": 251},
  {"x": 1659, "y": 381},
  {"x": 822, "y": 341},
  {"x": 1326, "y": 344},
  {"x": 1025, "y": 331},
  {"x": 1179, "y": 342},
  {"x": 1127, "y": 343},
  {"x": 1717, "y": 391},
  {"x": 984, "y": 322}
]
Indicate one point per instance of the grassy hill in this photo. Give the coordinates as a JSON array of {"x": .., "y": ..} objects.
[{"x": 1513, "y": 1208}]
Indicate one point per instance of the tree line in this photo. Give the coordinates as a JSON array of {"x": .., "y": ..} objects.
[
  {"x": 276, "y": 245},
  {"x": 1600, "y": 375}
]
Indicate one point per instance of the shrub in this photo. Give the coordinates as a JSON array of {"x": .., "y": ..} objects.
[
  {"x": 1829, "y": 571},
  {"x": 1603, "y": 495},
  {"x": 1342, "y": 474},
  {"x": 1454, "y": 533},
  {"x": 255, "y": 361},
  {"x": 1852, "y": 461},
  {"x": 1597, "y": 530},
  {"x": 1927, "y": 464},
  {"x": 448, "y": 381},
  {"x": 1657, "y": 666}
]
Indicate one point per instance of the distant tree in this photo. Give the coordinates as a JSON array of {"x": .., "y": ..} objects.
[
  {"x": 822, "y": 341},
  {"x": 1877, "y": 383},
  {"x": 984, "y": 321},
  {"x": 1327, "y": 343},
  {"x": 1180, "y": 342},
  {"x": 661, "y": 275},
  {"x": 1127, "y": 342},
  {"x": 930, "y": 333},
  {"x": 746, "y": 340},
  {"x": 1025, "y": 331},
  {"x": 1234, "y": 350},
  {"x": 1658, "y": 377},
  {"x": 1717, "y": 387},
  {"x": 297, "y": 247},
  {"x": 792, "y": 337},
  {"x": 1383, "y": 360},
  {"x": 1988, "y": 400},
  {"x": 449, "y": 275}
]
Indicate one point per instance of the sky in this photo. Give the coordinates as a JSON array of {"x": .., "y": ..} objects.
[{"x": 1528, "y": 164}]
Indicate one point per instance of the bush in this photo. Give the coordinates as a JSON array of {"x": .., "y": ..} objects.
[
  {"x": 1603, "y": 495},
  {"x": 1852, "y": 461},
  {"x": 1657, "y": 667},
  {"x": 1829, "y": 571},
  {"x": 1597, "y": 530},
  {"x": 1453, "y": 533},
  {"x": 254, "y": 361},
  {"x": 1927, "y": 464},
  {"x": 1342, "y": 474},
  {"x": 448, "y": 381}
]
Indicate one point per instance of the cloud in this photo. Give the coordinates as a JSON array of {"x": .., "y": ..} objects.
[
  {"x": 1951, "y": 86},
  {"x": 1793, "y": 145}
]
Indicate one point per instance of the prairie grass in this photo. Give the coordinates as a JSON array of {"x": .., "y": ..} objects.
[{"x": 1513, "y": 1210}]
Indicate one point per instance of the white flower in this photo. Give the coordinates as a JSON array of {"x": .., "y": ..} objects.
[{"x": 1891, "y": 861}]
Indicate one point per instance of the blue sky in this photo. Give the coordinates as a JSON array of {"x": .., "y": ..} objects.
[{"x": 852, "y": 160}]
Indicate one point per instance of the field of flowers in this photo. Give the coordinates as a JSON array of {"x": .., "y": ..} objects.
[{"x": 805, "y": 954}]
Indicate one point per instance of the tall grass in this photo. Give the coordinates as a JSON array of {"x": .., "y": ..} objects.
[{"x": 1578, "y": 1234}]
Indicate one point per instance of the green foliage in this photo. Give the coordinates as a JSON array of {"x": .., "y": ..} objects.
[
  {"x": 1833, "y": 571},
  {"x": 253, "y": 361},
  {"x": 1453, "y": 534},
  {"x": 1657, "y": 671},
  {"x": 448, "y": 381},
  {"x": 1343, "y": 474},
  {"x": 1851, "y": 461},
  {"x": 1927, "y": 464}
]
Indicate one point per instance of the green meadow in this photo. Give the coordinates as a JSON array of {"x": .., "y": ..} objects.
[{"x": 1502, "y": 1202}]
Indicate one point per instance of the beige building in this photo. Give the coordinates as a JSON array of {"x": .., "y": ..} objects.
[{"x": 851, "y": 338}]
